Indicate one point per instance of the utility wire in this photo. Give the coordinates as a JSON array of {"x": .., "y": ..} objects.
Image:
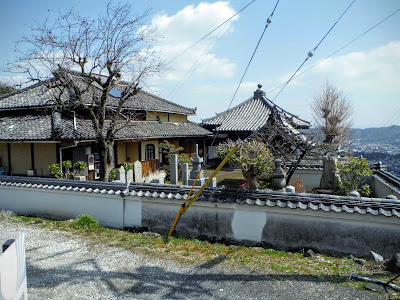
[
  {"x": 333, "y": 53},
  {"x": 311, "y": 53},
  {"x": 269, "y": 20},
  {"x": 210, "y": 32}
]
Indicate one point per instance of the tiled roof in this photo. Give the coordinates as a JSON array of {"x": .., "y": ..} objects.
[
  {"x": 36, "y": 95},
  {"x": 27, "y": 127},
  {"x": 41, "y": 127},
  {"x": 149, "y": 102},
  {"x": 251, "y": 115},
  {"x": 39, "y": 95},
  {"x": 328, "y": 203}
]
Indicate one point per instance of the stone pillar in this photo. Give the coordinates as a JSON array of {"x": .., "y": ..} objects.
[
  {"x": 129, "y": 176},
  {"x": 328, "y": 174},
  {"x": 278, "y": 176},
  {"x": 137, "y": 170},
  {"x": 185, "y": 173},
  {"x": 121, "y": 174},
  {"x": 173, "y": 165}
]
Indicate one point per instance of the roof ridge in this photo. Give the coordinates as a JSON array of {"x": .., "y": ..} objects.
[
  {"x": 229, "y": 110},
  {"x": 169, "y": 102}
]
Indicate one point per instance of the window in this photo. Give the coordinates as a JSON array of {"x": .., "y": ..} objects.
[{"x": 150, "y": 152}]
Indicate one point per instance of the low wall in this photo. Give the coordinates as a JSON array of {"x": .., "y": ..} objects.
[
  {"x": 281, "y": 221},
  {"x": 310, "y": 178},
  {"x": 382, "y": 188}
]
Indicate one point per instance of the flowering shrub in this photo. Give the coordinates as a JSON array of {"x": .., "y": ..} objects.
[
  {"x": 244, "y": 185},
  {"x": 253, "y": 157}
]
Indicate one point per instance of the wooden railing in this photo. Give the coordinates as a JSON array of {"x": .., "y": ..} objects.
[{"x": 150, "y": 167}]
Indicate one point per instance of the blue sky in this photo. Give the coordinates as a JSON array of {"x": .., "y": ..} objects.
[{"x": 368, "y": 70}]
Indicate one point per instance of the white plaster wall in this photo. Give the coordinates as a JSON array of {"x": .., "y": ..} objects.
[
  {"x": 381, "y": 189},
  {"x": 133, "y": 212},
  {"x": 248, "y": 224},
  {"x": 310, "y": 178},
  {"x": 107, "y": 209},
  {"x": 285, "y": 228}
]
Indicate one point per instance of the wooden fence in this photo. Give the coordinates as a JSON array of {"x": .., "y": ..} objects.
[{"x": 150, "y": 167}]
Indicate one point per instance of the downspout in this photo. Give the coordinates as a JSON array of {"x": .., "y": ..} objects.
[{"x": 61, "y": 149}]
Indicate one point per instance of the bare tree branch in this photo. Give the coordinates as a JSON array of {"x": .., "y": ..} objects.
[{"x": 81, "y": 60}]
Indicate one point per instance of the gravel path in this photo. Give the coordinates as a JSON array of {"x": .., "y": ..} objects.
[{"x": 63, "y": 266}]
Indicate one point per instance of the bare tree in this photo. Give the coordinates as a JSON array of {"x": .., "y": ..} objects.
[
  {"x": 332, "y": 113},
  {"x": 285, "y": 142},
  {"x": 82, "y": 60}
]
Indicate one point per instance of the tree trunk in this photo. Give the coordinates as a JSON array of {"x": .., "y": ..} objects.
[
  {"x": 251, "y": 180},
  {"x": 294, "y": 166},
  {"x": 106, "y": 160}
]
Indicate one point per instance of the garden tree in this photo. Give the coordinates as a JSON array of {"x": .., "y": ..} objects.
[
  {"x": 350, "y": 174},
  {"x": 332, "y": 113},
  {"x": 169, "y": 149},
  {"x": 81, "y": 60},
  {"x": 253, "y": 157},
  {"x": 5, "y": 88}
]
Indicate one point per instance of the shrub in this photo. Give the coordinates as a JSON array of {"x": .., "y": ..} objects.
[
  {"x": 67, "y": 164},
  {"x": 350, "y": 174},
  {"x": 172, "y": 149},
  {"x": 55, "y": 171},
  {"x": 80, "y": 166},
  {"x": 254, "y": 158},
  {"x": 299, "y": 187},
  {"x": 85, "y": 222},
  {"x": 128, "y": 166},
  {"x": 112, "y": 175}
]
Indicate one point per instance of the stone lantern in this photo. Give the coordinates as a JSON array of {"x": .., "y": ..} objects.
[{"x": 278, "y": 176}]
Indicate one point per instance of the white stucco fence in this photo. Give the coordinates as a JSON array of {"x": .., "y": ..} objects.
[{"x": 283, "y": 224}]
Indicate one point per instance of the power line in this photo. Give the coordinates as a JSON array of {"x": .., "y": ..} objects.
[
  {"x": 333, "y": 53},
  {"x": 210, "y": 32},
  {"x": 311, "y": 53},
  {"x": 269, "y": 20}
]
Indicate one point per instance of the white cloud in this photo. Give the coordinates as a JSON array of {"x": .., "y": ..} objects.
[{"x": 186, "y": 27}]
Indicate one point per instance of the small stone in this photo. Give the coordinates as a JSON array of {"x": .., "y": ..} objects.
[
  {"x": 378, "y": 258},
  {"x": 310, "y": 253},
  {"x": 359, "y": 261},
  {"x": 393, "y": 264}
]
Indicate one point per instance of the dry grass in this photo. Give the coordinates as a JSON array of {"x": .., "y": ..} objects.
[
  {"x": 192, "y": 251},
  {"x": 229, "y": 177}
]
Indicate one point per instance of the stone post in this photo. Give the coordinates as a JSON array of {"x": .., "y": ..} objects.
[
  {"x": 329, "y": 176},
  {"x": 173, "y": 168},
  {"x": 129, "y": 176},
  {"x": 137, "y": 171},
  {"x": 185, "y": 174},
  {"x": 121, "y": 174}
]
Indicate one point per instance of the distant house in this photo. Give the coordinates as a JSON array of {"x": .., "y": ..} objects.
[
  {"x": 33, "y": 135},
  {"x": 250, "y": 116}
]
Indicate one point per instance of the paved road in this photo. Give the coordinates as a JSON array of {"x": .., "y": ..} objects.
[{"x": 62, "y": 266}]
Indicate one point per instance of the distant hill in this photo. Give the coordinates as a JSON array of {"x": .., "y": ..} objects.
[{"x": 382, "y": 135}]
